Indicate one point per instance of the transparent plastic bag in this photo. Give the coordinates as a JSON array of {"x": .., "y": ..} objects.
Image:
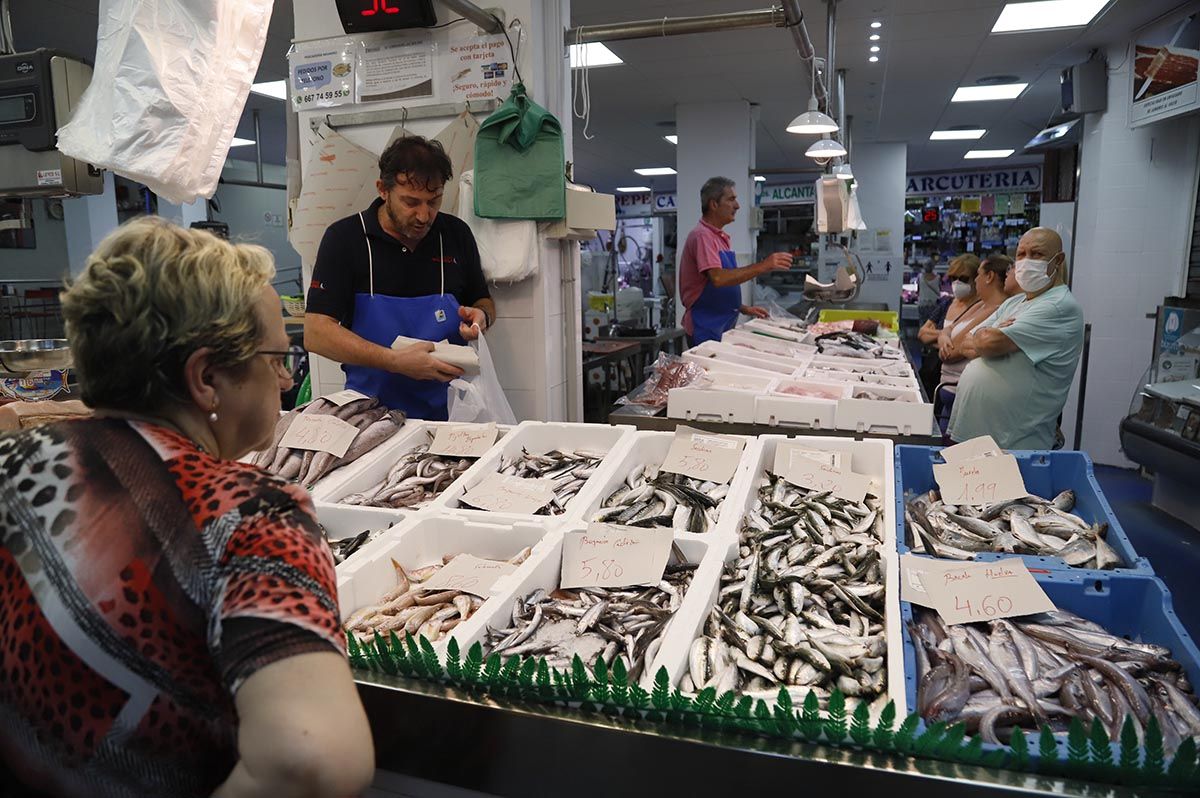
[
  {"x": 668, "y": 371},
  {"x": 480, "y": 398}
]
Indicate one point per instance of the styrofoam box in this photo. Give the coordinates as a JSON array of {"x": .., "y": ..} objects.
[
  {"x": 726, "y": 381},
  {"x": 864, "y": 377},
  {"x": 873, "y": 458},
  {"x": 893, "y": 368},
  {"x": 650, "y": 449},
  {"x": 370, "y": 470},
  {"x": 424, "y": 540},
  {"x": 766, "y": 360},
  {"x": 714, "y": 366},
  {"x": 544, "y": 572},
  {"x": 712, "y": 404},
  {"x": 899, "y": 395},
  {"x": 342, "y": 521},
  {"x": 728, "y": 354},
  {"x": 777, "y": 410},
  {"x": 776, "y": 331},
  {"x": 882, "y": 417},
  {"x": 763, "y": 343},
  {"x": 536, "y": 437}
]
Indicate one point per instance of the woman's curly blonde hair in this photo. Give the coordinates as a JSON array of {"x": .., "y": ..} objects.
[{"x": 152, "y": 294}]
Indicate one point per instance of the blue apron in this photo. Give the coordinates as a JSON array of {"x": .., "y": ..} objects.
[
  {"x": 379, "y": 319},
  {"x": 716, "y": 310}
]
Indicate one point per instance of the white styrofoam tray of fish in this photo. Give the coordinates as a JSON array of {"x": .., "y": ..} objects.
[
  {"x": 353, "y": 532},
  {"x": 371, "y": 471},
  {"x": 539, "y": 438},
  {"x": 709, "y": 351},
  {"x": 868, "y": 457},
  {"x": 783, "y": 407},
  {"x": 420, "y": 542},
  {"x": 539, "y": 579},
  {"x": 863, "y": 377},
  {"x": 893, "y": 368},
  {"x": 640, "y": 457},
  {"x": 866, "y": 411},
  {"x": 793, "y": 363},
  {"x": 1135, "y": 625},
  {"x": 1048, "y": 476},
  {"x": 775, "y": 330},
  {"x": 763, "y": 343},
  {"x": 714, "y": 403}
]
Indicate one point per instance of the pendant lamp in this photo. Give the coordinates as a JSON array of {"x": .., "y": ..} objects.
[
  {"x": 812, "y": 121},
  {"x": 825, "y": 148}
]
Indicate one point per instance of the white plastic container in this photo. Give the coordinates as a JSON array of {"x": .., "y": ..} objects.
[
  {"x": 778, "y": 410},
  {"x": 536, "y": 437},
  {"x": 776, "y": 330},
  {"x": 912, "y": 417},
  {"x": 708, "y": 352},
  {"x": 713, "y": 366},
  {"x": 424, "y": 540},
  {"x": 892, "y": 368},
  {"x": 763, "y": 343},
  {"x": 712, "y": 404},
  {"x": 341, "y": 521},
  {"x": 649, "y": 449},
  {"x": 765, "y": 360},
  {"x": 863, "y": 377}
]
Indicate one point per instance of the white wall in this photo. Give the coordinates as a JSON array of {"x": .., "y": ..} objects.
[
  {"x": 880, "y": 171},
  {"x": 1137, "y": 187},
  {"x": 245, "y": 209},
  {"x": 48, "y": 259}
]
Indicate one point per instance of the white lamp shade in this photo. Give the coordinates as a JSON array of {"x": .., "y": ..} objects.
[
  {"x": 812, "y": 122},
  {"x": 843, "y": 172},
  {"x": 826, "y": 148}
]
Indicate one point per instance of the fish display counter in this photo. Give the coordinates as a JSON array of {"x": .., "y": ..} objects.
[{"x": 776, "y": 640}]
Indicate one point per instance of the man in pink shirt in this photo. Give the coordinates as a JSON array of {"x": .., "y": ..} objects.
[{"x": 708, "y": 272}]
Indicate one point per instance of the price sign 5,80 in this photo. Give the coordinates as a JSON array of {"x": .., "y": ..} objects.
[{"x": 606, "y": 569}]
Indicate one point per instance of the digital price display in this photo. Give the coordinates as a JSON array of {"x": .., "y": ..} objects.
[
  {"x": 365, "y": 16},
  {"x": 930, "y": 215}
]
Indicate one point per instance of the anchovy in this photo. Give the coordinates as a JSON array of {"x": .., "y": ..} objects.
[
  {"x": 569, "y": 472},
  {"x": 650, "y": 497},
  {"x": 414, "y": 480}
]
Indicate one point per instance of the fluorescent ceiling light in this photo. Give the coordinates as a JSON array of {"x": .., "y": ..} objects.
[
  {"x": 759, "y": 179},
  {"x": 271, "y": 88},
  {"x": 876, "y": 24},
  {"x": 594, "y": 54},
  {"x": 956, "y": 135},
  {"x": 873, "y": 59},
  {"x": 672, "y": 139},
  {"x": 241, "y": 142},
  {"x": 1048, "y": 14},
  {"x": 971, "y": 94},
  {"x": 874, "y": 37},
  {"x": 988, "y": 154},
  {"x": 653, "y": 171},
  {"x": 633, "y": 189},
  {"x": 874, "y": 48}
]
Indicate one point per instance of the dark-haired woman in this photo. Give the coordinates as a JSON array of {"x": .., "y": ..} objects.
[{"x": 399, "y": 268}]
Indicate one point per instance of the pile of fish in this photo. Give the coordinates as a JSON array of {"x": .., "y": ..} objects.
[
  {"x": 1030, "y": 525},
  {"x": 801, "y": 605},
  {"x": 376, "y": 423},
  {"x": 808, "y": 391},
  {"x": 569, "y": 470},
  {"x": 1047, "y": 669},
  {"x": 653, "y": 498},
  {"x": 342, "y": 549},
  {"x": 415, "y": 479},
  {"x": 845, "y": 343},
  {"x": 867, "y": 393},
  {"x": 614, "y": 623},
  {"x": 409, "y": 608}
]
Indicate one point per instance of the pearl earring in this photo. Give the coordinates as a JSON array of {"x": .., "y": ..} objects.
[{"x": 212, "y": 417}]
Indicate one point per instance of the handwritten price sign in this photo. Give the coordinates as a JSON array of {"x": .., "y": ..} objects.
[
  {"x": 980, "y": 480},
  {"x": 785, "y": 453},
  {"x": 507, "y": 494},
  {"x": 343, "y": 398},
  {"x": 320, "y": 434},
  {"x": 804, "y": 472},
  {"x": 469, "y": 574},
  {"x": 976, "y": 591},
  {"x": 608, "y": 555},
  {"x": 713, "y": 458},
  {"x": 463, "y": 440}
]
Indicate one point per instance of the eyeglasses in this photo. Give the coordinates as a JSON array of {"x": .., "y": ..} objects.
[
  {"x": 962, "y": 278},
  {"x": 288, "y": 361}
]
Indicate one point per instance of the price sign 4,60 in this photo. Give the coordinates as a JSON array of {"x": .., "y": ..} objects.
[{"x": 988, "y": 607}]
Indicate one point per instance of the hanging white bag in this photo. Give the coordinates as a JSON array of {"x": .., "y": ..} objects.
[
  {"x": 507, "y": 247},
  {"x": 480, "y": 398},
  {"x": 170, "y": 81}
]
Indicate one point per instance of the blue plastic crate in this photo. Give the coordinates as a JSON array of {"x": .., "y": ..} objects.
[{"x": 1046, "y": 474}]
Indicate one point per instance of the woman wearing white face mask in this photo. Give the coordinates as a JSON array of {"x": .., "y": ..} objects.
[
  {"x": 1023, "y": 357},
  {"x": 961, "y": 274},
  {"x": 978, "y": 292}
]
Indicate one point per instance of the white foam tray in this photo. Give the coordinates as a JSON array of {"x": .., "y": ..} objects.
[
  {"x": 776, "y": 330},
  {"x": 712, "y": 404},
  {"x": 864, "y": 377},
  {"x": 714, "y": 366},
  {"x": 783, "y": 364},
  {"x": 650, "y": 448},
  {"x": 892, "y": 368},
  {"x": 870, "y": 457},
  {"x": 709, "y": 352},
  {"x": 423, "y": 540},
  {"x": 537, "y": 437},
  {"x": 912, "y": 417},
  {"x": 343, "y": 521},
  {"x": 371, "y": 469},
  {"x": 763, "y": 343},
  {"x": 777, "y": 410}
]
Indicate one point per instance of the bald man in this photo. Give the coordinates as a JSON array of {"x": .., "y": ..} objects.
[{"x": 1023, "y": 356}]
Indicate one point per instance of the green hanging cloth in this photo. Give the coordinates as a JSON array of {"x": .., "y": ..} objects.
[{"x": 519, "y": 162}]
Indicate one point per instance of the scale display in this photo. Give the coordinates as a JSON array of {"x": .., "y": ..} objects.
[{"x": 365, "y": 16}]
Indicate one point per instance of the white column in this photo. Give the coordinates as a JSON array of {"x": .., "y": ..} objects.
[
  {"x": 1136, "y": 191},
  {"x": 715, "y": 139},
  {"x": 88, "y": 220},
  {"x": 184, "y": 215},
  {"x": 879, "y": 174}
]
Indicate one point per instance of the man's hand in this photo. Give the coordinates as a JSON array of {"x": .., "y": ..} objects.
[
  {"x": 755, "y": 311},
  {"x": 776, "y": 262},
  {"x": 415, "y": 361},
  {"x": 473, "y": 322}
]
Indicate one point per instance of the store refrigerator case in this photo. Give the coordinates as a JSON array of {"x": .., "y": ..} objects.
[{"x": 1162, "y": 434}]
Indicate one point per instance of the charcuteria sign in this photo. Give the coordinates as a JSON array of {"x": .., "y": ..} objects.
[{"x": 1013, "y": 179}]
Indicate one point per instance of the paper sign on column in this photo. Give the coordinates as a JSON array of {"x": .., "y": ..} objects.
[
  {"x": 973, "y": 591},
  {"x": 980, "y": 481},
  {"x": 712, "y": 458},
  {"x": 607, "y": 555},
  {"x": 502, "y": 493},
  {"x": 469, "y": 574},
  {"x": 343, "y": 398},
  {"x": 784, "y": 452},
  {"x": 983, "y": 446},
  {"x": 463, "y": 440},
  {"x": 319, "y": 433},
  {"x": 804, "y": 472}
]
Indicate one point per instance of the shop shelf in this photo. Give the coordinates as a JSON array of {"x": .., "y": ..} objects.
[{"x": 1046, "y": 474}]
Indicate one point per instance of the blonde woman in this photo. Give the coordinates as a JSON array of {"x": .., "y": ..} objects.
[{"x": 168, "y": 616}]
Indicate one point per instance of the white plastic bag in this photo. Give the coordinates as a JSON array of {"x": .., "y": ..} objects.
[
  {"x": 480, "y": 398},
  {"x": 507, "y": 247},
  {"x": 170, "y": 82}
]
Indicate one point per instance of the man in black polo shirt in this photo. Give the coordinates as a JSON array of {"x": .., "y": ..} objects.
[{"x": 399, "y": 268}]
